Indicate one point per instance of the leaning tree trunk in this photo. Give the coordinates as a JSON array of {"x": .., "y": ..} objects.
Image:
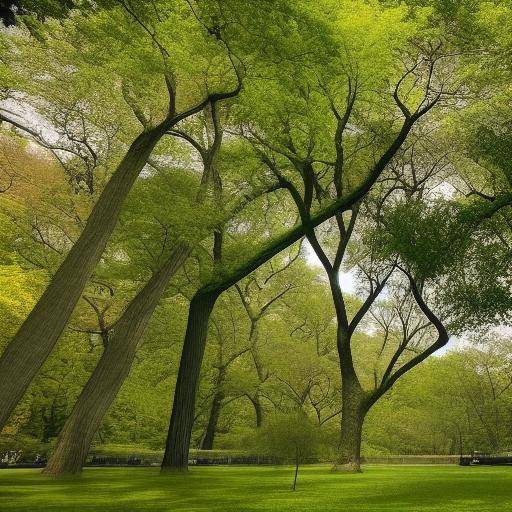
[
  {"x": 182, "y": 417},
  {"x": 258, "y": 409},
  {"x": 112, "y": 369},
  {"x": 213, "y": 421},
  {"x": 37, "y": 336},
  {"x": 354, "y": 407}
]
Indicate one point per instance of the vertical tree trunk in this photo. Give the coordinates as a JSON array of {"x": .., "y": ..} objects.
[
  {"x": 37, "y": 336},
  {"x": 260, "y": 370},
  {"x": 213, "y": 421},
  {"x": 182, "y": 417},
  {"x": 296, "y": 470},
  {"x": 353, "y": 412},
  {"x": 110, "y": 372}
]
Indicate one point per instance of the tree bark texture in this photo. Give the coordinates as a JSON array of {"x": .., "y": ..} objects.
[
  {"x": 111, "y": 371},
  {"x": 258, "y": 409},
  {"x": 354, "y": 408},
  {"x": 213, "y": 421},
  {"x": 182, "y": 417},
  {"x": 36, "y": 338}
]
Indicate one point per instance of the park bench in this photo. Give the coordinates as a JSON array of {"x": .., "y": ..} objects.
[{"x": 485, "y": 459}]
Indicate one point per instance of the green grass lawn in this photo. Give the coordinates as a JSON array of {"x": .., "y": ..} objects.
[{"x": 241, "y": 489}]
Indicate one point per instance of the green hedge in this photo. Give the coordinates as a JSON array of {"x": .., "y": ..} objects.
[
  {"x": 125, "y": 450},
  {"x": 29, "y": 446}
]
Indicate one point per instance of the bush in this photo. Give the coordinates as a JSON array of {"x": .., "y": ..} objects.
[
  {"x": 290, "y": 437},
  {"x": 29, "y": 446}
]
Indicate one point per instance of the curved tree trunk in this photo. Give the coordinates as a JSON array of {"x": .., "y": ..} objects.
[
  {"x": 354, "y": 408},
  {"x": 182, "y": 417},
  {"x": 36, "y": 338},
  {"x": 258, "y": 409},
  {"x": 110, "y": 372}
]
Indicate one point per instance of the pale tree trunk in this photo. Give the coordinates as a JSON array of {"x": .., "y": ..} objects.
[
  {"x": 36, "y": 338},
  {"x": 182, "y": 417},
  {"x": 111, "y": 371}
]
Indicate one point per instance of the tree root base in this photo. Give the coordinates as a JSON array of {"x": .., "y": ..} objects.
[
  {"x": 346, "y": 467},
  {"x": 173, "y": 470}
]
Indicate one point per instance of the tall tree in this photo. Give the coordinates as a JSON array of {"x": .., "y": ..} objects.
[
  {"x": 36, "y": 338},
  {"x": 295, "y": 117},
  {"x": 118, "y": 355}
]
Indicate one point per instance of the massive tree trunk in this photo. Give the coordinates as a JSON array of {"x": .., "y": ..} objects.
[
  {"x": 35, "y": 339},
  {"x": 354, "y": 407},
  {"x": 112, "y": 369},
  {"x": 182, "y": 417}
]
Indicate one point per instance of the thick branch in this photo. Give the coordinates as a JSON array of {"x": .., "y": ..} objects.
[{"x": 441, "y": 341}]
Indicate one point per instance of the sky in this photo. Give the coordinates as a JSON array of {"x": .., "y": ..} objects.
[
  {"x": 347, "y": 279},
  {"x": 348, "y": 284}
]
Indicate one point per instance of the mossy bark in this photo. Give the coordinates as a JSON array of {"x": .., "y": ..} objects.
[
  {"x": 354, "y": 409},
  {"x": 111, "y": 371}
]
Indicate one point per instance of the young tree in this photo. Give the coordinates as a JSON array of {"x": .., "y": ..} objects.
[{"x": 291, "y": 437}]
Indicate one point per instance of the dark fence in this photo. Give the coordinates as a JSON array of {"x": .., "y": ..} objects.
[
  {"x": 485, "y": 459},
  {"x": 241, "y": 461},
  {"x": 218, "y": 459},
  {"x": 412, "y": 459},
  {"x": 22, "y": 465},
  {"x": 116, "y": 461},
  {"x": 195, "y": 461}
]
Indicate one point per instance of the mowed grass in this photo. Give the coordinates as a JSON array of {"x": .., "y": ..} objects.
[{"x": 241, "y": 489}]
